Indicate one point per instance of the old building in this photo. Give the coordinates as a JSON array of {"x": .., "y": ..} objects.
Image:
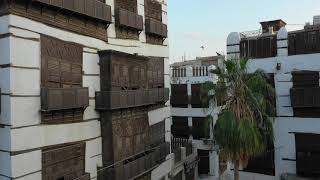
[
  {"x": 190, "y": 108},
  {"x": 292, "y": 60},
  {"x": 84, "y": 90}
]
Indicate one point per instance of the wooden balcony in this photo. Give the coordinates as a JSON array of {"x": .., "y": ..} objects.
[
  {"x": 90, "y": 8},
  {"x": 110, "y": 100},
  {"x": 128, "y": 19},
  {"x": 64, "y": 98},
  {"x": 85, "y": 17},
  {"x": 156, "y": 28}
]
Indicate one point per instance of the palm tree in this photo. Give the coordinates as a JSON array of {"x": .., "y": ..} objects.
[{"x": 244, "y": 124}]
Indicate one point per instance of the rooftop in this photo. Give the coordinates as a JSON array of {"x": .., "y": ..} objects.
[{"x": 199, "y": 61}]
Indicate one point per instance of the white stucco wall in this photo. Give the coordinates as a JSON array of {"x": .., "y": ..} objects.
[
  {"x": 198, "y": 112},
  {"x": 21, "y": 110}
]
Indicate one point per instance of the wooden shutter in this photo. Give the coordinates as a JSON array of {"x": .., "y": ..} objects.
[
  {"x": 179, "y": 95},
  {"x": 180, "y": 127},
  {"x": 308, "y": 154},
  {"x": 203, "y": 165},
  {"x": 61, "y": 63}
]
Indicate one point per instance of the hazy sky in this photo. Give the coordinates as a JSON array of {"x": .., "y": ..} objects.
[{"x": 196, "y": 23}]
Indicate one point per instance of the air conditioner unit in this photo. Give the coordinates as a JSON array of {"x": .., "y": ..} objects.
[{"x": 288, "y": 176}]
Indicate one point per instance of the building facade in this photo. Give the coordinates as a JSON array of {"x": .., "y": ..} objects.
[
  {"x": 84, "y": 90},
  {"x": 292, "y": 60},
  {"x": 190, "y": 108}
]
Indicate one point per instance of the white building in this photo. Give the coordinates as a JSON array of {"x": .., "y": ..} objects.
[
  {"x": 189, "y": 113},
  {"x": 52, "y": 48},
  {"x": 293, "y": 59}
]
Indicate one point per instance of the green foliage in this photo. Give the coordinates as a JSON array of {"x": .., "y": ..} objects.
[{"x": 244, "y": 124}]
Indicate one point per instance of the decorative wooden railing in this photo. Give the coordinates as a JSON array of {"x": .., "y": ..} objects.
[
  {"x": 129, "y": 19},
  {"x": 136, "y": 168},
  {"x": 110, "y": 100},
  {"x": 157, "y": 28},
  {"x": 64, "y": 98},
  {"x": 91, "y": 8}
]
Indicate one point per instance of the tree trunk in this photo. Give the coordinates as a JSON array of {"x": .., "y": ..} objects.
[{"x": 236, "y": 169}]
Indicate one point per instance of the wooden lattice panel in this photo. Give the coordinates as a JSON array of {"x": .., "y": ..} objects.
[
  {"x": 63, "y": 161},
  {"x": 153, "y": 9},
  {"x": 61, "y": 67},
  {"x": 130, "y": 132}
]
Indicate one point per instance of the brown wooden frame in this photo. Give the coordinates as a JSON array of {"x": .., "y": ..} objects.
[
  {"x": 111, "y": 100},
  {"x": 307, "y": 154},
  {"x": 260, "y": 47},
  {"x": 63, "y": 99},
  {"x": 63, "y": 14},
  {"x": 55, "y": 159}
]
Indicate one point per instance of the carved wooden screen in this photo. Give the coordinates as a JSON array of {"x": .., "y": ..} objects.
[
  {"x": 153, "y": 9},
  {"x": 155, "y": 72},
  {"x": 130, "y": 132},
  {"x": 63, "y": 162},
  {"x": 61, "y": 63},
  {"x": 125, "y": 72},
  {"x": 157, "y": 133},
  {"x": 61, "y": 67},
  {"x": 107, "y": 139},
  {"x": 131, "y": 6}
]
